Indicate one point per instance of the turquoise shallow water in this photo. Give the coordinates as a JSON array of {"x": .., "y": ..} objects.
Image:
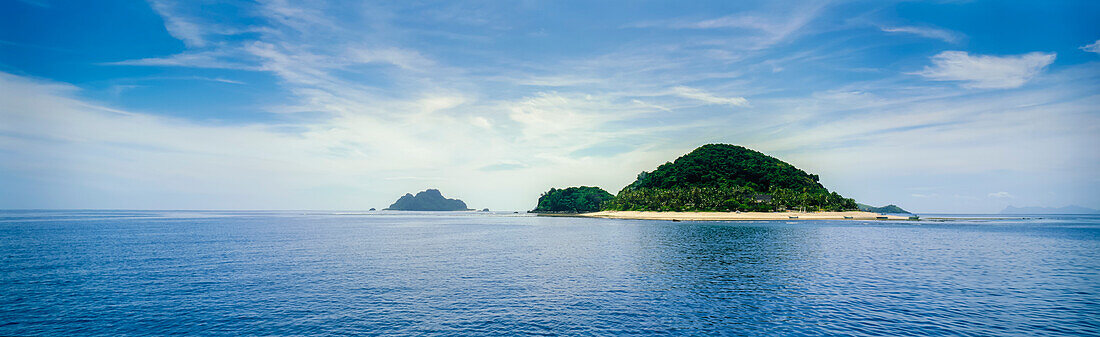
[{"x": 317, "y": 273}]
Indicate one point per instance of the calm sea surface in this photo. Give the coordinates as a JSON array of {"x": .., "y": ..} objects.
[{"x": 316, "y": 273}]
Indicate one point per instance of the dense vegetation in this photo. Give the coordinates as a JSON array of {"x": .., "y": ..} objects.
[
  {"x": 727, "y": 199},
  {"x": 722, "y": 177},
  {"x": 884, "y": 209},
  {"x": 573, "y": 200},
  {"x": 427, "y": 200}
]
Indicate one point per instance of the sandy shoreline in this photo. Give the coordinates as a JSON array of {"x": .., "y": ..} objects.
[{"x": 699, "y": 216}]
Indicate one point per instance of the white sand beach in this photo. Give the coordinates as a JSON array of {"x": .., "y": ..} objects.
[{"x": 697, "y": 216}]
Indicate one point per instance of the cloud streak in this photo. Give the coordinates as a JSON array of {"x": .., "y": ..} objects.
[
  {"x": 215, "y": 59},
  {"x": 932, "y": 33},
  {"x": 183, "y": 29},
  {"x": 768, "y": 27},
  {"x": 1092, "y": 47},
  {"x": 699, "y": 95},
  {"x": 987, "y": 71}
]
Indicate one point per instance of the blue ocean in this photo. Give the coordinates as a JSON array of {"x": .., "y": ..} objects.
[{"x": 139, "y": 273}]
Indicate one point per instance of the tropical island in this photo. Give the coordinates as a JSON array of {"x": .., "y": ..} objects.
[
  {"x": 713, "y": 182},
  {"x": 892, "y": 209},
  {"x": 582, "y": 199},
  {"x": 427, "y": 200}
]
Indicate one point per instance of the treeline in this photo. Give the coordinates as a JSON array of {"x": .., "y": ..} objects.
[
  {"x": 729, "y": 199},
  {"x": 581, "y": 199},
  {"x": 689, "y": 199}
]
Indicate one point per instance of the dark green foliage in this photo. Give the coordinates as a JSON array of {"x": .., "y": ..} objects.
[
  {"x": 720, "y": 199},
  {"x": 723, "y": 165},
  {"x": 428, "y": 200},
  {"x": 722, "y": 177},
  {"x": 572, "y": 200},
  {"x": 884, "y": 209}
]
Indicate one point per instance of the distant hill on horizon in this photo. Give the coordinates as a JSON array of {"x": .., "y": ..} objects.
[
  {"x": 1071, "y": 209},
  {"x": 891, "y": 208},
  {"x": 427, "y": 200}
]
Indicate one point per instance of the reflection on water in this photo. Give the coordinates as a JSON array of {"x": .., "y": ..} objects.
[{"x": 293, "y": 273}]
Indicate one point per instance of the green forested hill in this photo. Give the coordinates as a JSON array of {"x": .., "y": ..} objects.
[
  {"x": 884, "y": 209},
  {"x": 723, "y": 177},
  {"x": 572, "y": 200},
  {"x": 724, "y": 165}
]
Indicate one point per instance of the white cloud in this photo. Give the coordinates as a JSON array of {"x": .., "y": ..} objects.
[
  {"x": 700, "y": 95},
  {"x": 435, "y": 103},
  {"x": 413, "y": 178},
  {"x": 406, "y": 59},
  {"x": 986, "y": 71},
  {"x": 739, "y": 21},
  {"x": 216, "y": 59},
  {"x": 561, "y": 117},
  {"x": 932, "y": 33},
  {"x": 179, "y": 27},
  {"x": 1000, "y": 195},
  {"x": 1092, "y": 48},
  {"x": 219, "y": 79},
  {"x": 650, "y": 105},
  {"x": 968, "y": 143},
  {"x": 361, "y": 156},
  {"x": 473, "y": 131},
  {"x": 481, "y": 122},
  {"x": 772, "y": 25}
]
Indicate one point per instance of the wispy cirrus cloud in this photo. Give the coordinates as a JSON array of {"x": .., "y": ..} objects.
[
  {"x": 928, "y": 32},
  {"x": 191, "y": 33},
  {"x": 703, "y": 96},
  {"x": 767, "y": 27},
  {"x": 403, "y": 58},
  {"x": 1092, "y": 47},
  {"x": 221, "y": 58},
  {"x": 987, "y": 71}
]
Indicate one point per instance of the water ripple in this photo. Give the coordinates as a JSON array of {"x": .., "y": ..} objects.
[{"x": 315, "y": 273}]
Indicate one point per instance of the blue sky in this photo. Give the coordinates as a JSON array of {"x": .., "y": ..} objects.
[{"x": 937, "y": 106}]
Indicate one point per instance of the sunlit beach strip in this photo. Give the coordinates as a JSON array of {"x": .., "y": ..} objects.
[{"x": 701, "y": 216}]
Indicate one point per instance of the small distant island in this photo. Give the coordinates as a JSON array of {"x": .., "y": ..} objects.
[
  {"x": 893, "y": 209},
  {"x": 427, "y": 200},
  {"x": 711, "y": 179}
]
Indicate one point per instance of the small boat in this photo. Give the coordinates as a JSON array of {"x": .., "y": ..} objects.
[
  {"x": 848, "y": 217},
  {"x": 914, "y": 217},
  {"x": 792, "y": 217},
  {"x": 882, "y": 218},
  {"x": 675, "y": 220}
]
